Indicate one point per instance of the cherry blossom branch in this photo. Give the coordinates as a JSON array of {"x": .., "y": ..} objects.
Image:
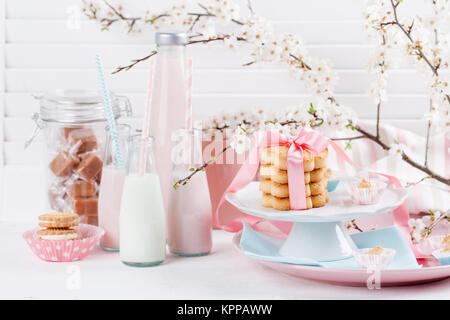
[
  {"x": 154, "y": 52},
  {"x": 407, "y": 33},
  {"x": 427, "y": 144},
  {"x": 349, "y": 138},
  {"x": 298, "y": 63},
  {"x": 135, "y": 62},
  {"x": 429, "y": 229},
  {"x": 378, "y": 119},
  {"x": 185, "y": 180},
  {"x": 92, "y": 13}
]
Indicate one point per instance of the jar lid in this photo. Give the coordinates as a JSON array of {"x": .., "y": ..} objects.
[
  {"x": 76, "y": 106},
  {"x": 171, "y": 38}
]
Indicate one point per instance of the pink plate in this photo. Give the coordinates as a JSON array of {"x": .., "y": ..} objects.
[{"x": 355, "y": 277}]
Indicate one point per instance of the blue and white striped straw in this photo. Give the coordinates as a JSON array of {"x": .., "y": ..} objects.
[{"x": 109, "y": 112}]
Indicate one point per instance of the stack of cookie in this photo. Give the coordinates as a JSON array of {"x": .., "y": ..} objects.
[
  {"x": 58, "y": 226},
  {"x": 274, "y": 178}
]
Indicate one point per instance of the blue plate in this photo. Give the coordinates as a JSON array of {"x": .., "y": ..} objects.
[
  {"x": 332, "y": 185},
  {"x": 444, "y": 261},
  {"x": 261, "y": 246}
]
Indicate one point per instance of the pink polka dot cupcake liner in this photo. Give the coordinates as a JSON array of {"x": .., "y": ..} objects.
[
  {"x": 65, "y": 250},
  {"x": 364, "y": 196}
]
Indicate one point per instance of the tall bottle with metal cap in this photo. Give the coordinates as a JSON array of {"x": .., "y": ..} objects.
[{"x": 168, "y": 105}]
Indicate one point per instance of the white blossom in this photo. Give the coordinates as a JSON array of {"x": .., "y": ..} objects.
[
  {"x": 240, "y": 142},
  {"x": 397, "y": 149},
  {"x": 417, "y": 229}
]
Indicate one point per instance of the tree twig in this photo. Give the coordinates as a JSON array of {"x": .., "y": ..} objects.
[
  {"x": 429, "y": 229},
  {"x": 348, "y": 138},
  {"x": 185, "y": 180},
  {"x": 427, "y": 143},
  {"x": 378, "y": 119},
  {"x": 135, "y": 62}
]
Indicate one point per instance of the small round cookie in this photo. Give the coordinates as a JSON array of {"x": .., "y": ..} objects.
[
  {"x": 279, "y": 160},
  {"x": 280, "y": 203},
  {"x": 307, "y": 177},
  {"x": 265, "y": 185},
  {"x": 309, "y": 204},
  {"x": 308, "y": 161},
  {"x": 319, "y": 200},
  {"x": 284, "y": 203},
  {"x": 318, "y": 175},
  {"x": 265, "y": 171},
  {"x": 318, "y": 188},
  {"x": 282, "y": 190},
  {"x": 279, "y": 190},
  {"x": 321, "y": 160},
  {"x": 279, "y": 152},
  {"x": 58, "y": 220},
  {"x": 281, "y": 176},
  {"x": 279, "y": 157},
  {"x": 266, "y": 156},
  {"x": 57, "y": 234},
  {"x": 267, "y": 200}
]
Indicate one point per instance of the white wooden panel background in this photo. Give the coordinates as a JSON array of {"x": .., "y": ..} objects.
[{"x": 40, "y": 53}]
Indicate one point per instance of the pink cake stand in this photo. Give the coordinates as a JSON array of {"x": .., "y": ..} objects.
[
  {"x": 322, "y": 225},
  {"x": 431, "y": 271}
]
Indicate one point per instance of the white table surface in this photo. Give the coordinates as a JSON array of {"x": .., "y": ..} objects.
[{"x": 224, "y": 274}]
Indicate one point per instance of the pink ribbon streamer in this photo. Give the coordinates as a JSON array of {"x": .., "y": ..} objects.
[{"x": 305, "y": 140}]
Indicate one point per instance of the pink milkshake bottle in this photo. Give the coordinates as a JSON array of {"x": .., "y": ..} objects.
[
  {"x": 110, "y": 192},
  {"x": 189, "y": 214},
  {"x": 168, "y": 105}
]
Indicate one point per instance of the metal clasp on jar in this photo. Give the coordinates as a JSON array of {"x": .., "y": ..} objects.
[
  {"x": 39, "y": 125},
  {"x": 124, "y": 106}
]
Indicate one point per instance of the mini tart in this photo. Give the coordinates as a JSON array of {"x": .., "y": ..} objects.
[
  {"x": 58, "y": 220},
  {"x": 57, "y": 234}
]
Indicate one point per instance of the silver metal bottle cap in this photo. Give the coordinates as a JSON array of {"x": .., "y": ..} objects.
[{"x": 171, "y": 38}]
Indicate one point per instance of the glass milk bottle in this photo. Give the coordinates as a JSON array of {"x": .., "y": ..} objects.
[
  {"x": 142, "y": 215},
  {"x": 110, "y": 193},
  {"x": 189, "y": 212},
  {"x": 168, "y": 108}
]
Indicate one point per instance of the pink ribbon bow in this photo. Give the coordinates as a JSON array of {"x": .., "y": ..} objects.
[{"x": 305, "y": 141}]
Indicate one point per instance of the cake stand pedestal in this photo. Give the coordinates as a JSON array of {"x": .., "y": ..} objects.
[{"x": 325, "y": 241}]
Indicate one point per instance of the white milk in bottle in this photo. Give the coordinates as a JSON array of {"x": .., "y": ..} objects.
[{"x": 142, "y": 214}]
